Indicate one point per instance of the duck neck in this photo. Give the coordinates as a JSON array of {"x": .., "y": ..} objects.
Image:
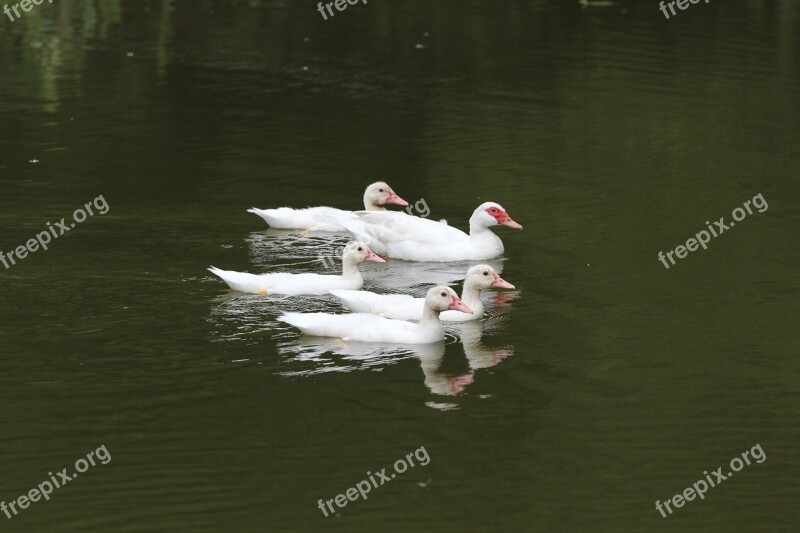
[
  {"x": 370, "y": 205},
  {"x": 471, "y": 295},
  {"x": 430, "y": 319},
  {"x": 350, "y": 271},
  {"x": 480, "y": 230},
  {"x": 481, "y": 235}
]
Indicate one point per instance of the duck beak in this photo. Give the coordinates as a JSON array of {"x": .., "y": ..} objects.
[
  {"x": 396, "y": 200},
  {"x": 501, "y": 283},
  {"x": 372, "y": 256},
  {"x": 510, "y": 223},
  {"x": 458, "y": 305}
]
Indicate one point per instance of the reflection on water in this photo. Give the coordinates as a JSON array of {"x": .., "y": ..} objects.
[
  {"x": 248, "y": 317},
  {"x": 293, "y": 251},
  {"x": 318, "y": 355},
  {"x": 479, "y": 355}
]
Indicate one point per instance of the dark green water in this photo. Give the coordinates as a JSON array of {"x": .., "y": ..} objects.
[{"x": 604, "y": 383}]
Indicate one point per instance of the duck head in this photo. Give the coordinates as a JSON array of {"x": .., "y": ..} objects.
[
  {"x": 442, "y": 298},
  {"x": 484, "y": 276},
  {"x": 491, "y": 214},
  {"x": 357, "y": 252},
  {"x": 379, "y": 194}
]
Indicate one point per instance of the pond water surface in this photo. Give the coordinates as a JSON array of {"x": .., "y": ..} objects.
[{"x": 603, "y": 383}]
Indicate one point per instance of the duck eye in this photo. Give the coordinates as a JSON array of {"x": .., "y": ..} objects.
[
  {"x": 380, "y": 190},
  {"x": 444, "y": 294},
  {"x": 486, "y": 273},
  {"x": 359, "y": 248}
]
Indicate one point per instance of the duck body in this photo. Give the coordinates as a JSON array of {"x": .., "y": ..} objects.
[
  {"x": 285, "y": 283},
  {"x": 411, "y": 238},
  {"x": 399, "y": 306},
  {"x": 406, "y": 307},
  {"x": 366, "y": 327},
  {"x": 310, "y": 218}
]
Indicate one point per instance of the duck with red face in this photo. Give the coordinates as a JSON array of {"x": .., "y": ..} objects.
[
  {"x": 400, "y": 236},
  {"x": 500, "y": 215}
]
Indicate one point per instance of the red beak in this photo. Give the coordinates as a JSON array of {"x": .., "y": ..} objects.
[
  {"x": 372, "y": 256},
  {"x": 396, "y": 200},
  {"x": 501, "y": 283},
  {"x": 458, "y": 305}
]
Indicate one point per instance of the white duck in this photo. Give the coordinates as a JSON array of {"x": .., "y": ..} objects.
[
  {"x": 365, "y": 327},
  {"x": 354, "y": 254},
  {"x": 376, "y": 197},
  {"x": 412, "y": 238},
  {"x": 405, "y": 307}
]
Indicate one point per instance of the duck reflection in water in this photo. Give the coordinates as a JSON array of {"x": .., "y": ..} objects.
[{"x": 335, "y": 355}]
